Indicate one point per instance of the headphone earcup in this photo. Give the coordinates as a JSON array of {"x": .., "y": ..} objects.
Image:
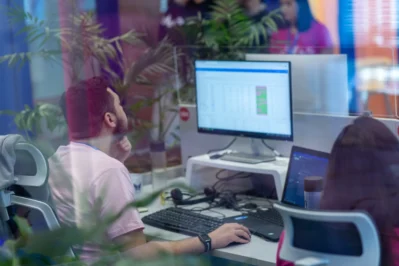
[
  {"x": 177, "y": 196},
  {"x": 208, "y": 191}
]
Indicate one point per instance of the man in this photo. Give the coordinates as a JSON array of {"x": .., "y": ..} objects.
[{"x": 89, "y": 174}]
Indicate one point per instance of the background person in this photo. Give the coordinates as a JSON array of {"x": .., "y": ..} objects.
[
  {"x": 303, "y": 33},
  {"x": 362, "y": 176}
]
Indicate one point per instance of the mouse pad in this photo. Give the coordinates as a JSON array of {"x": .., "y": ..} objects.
[{"x": 257, "y": 227}]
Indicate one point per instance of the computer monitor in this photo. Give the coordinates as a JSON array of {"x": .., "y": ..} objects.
[
  {"x": 243, "y": 98},
  {"x": 303, "y": 163},
  {"x": 320, "y": 83}
]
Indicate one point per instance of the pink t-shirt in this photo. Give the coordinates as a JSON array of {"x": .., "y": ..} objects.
[
  {"x": 81, "y": 176},
  {"x": 312, "y": 41},
  {"x": 394, "y": 247}
]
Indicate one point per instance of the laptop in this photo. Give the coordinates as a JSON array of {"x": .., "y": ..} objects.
[{"x": 303, "y": 163}]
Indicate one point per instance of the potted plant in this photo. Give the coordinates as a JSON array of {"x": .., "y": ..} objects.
[
  {"x": 84, "y": 47},
  {"x": 226, "y": 34}
]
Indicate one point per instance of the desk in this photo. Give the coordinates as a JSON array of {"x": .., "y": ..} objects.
[{"x": 257, "y": 252}]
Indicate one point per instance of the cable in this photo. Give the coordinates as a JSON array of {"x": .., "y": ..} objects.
[
  {"x": 271, "y": 148},
  {"x": 209, "y": 208},
  {"x": 229, "y": 178},
  {"x": 225, "y": 148}
]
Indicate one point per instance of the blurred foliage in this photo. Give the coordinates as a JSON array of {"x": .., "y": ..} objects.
[
  {"x": 30, "y": 120},
  {"x": 83, "y": 46},
  {"x": 50, "y": 247},
  {"x": 228, "y": 33}
]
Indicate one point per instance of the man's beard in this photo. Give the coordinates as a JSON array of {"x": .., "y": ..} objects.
[{"x": 121, "y": 129}]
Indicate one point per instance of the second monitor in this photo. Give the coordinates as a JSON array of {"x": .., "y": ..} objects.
[{"x": 244, "y": 98}]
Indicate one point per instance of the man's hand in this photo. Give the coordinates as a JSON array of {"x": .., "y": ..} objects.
[
  {"x": 122, "y": 149},
  {"x": 221, "y": 237},
  {"x": 229, "y": 233}
]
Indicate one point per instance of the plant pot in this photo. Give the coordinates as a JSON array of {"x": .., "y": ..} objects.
[{"x": 159, "y": 164}]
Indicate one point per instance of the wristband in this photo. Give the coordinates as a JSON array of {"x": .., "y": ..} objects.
[{"x": 206, "y": 240}]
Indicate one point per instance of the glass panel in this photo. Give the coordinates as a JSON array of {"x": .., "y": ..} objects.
[{"x": 321, "y": 83}]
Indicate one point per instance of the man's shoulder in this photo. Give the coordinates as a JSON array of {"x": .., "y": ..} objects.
[{"x": 85, "y": 156}]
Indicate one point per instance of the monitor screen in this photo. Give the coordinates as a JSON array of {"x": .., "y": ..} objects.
[
  {"x": 303, "y": 163},
  {"x": 244, "y": 98}
]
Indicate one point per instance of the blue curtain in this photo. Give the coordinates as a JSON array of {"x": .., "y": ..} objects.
[
  {"x": 108, "y": 14},
  {"x": 346, "y": 31},
  {"x": 15, "y": 83}
]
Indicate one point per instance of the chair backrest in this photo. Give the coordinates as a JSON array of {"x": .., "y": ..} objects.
[
  {"x": 31, "y": 170},
  {"x": 329, "y": 238},
  {"x": 31, "y": 167}
]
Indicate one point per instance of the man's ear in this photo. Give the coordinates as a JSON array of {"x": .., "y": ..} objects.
[{"x": 110, "y": 120}]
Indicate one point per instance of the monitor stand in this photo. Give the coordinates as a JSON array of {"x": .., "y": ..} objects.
[{"x": 254, "y": 157}]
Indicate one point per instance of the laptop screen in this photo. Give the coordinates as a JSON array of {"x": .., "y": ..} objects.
[{"x": 303, "y": 163}]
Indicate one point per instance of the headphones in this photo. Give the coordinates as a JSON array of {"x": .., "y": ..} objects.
[{"x": 177, "y": 197}]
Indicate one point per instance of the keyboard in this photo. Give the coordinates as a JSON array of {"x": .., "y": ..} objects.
[
  {"x": 182, "y": 221},
  {"x": 270, "y": 215},
  {"x": 249, "y": 158}
]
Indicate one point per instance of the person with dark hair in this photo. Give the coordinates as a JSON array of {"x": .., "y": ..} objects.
[
  {"x": 303, "y": 33},
  {"x": 88, "y": 180},
  {"x": 175, "y": 17},
  {"x": 256, "y": 10},
  {"x": 362, "y": 175}
]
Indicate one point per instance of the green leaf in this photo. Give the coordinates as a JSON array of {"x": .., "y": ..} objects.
[
  {"x": 18, "y": 119},
  {"x": 23, "y": 227},
  {"x": 31, "y": 121},
  {"x": 8, "y": 112},
  {"x": 55, "y": 243},
  {"x": 12, "y": 59},
  {"x": 36, "y": 37}
]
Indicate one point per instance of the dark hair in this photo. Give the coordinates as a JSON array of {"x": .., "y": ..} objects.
[
  {"x": 361, "y": 176},
  {"x": 84, "y": 106},
  {"x": 305, "y": 17},
  {"x": 204, "y": 8}
]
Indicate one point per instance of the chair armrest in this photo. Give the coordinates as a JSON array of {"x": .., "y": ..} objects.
[{"x": 311, "y": 261}]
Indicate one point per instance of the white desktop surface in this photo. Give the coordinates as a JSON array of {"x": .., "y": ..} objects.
[{"x": 257, "y": 252}]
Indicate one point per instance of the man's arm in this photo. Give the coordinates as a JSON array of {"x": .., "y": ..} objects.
[
  {"x": 115, "y": 190},
  {"x": 136, "y": 246}
]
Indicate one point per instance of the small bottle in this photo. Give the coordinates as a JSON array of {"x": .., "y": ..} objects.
[{"x": 313, "y": 188}]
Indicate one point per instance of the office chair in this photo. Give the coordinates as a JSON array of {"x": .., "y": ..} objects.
[
  {"x": 329, "y": 238},
  {"x": 29, "y": 169}
]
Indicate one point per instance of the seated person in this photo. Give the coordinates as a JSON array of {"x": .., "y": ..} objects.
[
  {"x": 361, "y": 176},
  {"x": 88, "y": 174}
]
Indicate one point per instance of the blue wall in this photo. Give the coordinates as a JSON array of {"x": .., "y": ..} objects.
[
  {"x": 15, "y": 83},
  {"x": 346, "y": 31}
]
